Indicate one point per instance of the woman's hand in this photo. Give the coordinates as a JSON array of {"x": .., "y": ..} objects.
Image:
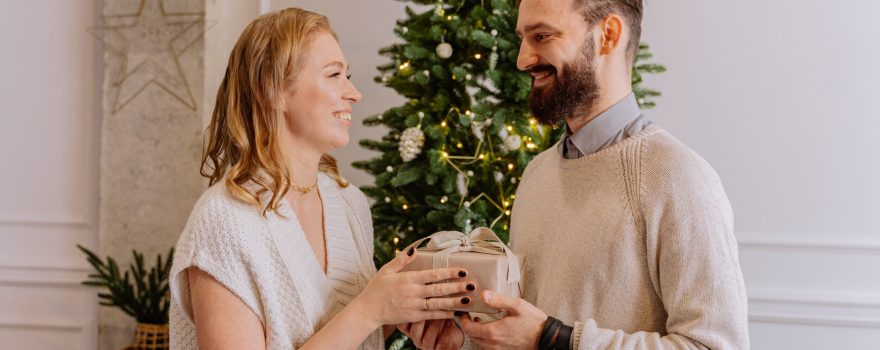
[
  {"x": 434, "y": 334},
  {"x": 394, "y": 297}
]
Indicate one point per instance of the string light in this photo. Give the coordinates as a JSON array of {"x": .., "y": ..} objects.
[
  {"x": 509, "y": 166},
  {"x": 509, "y": 128},
  {"x": 405, "y": 65},
  {"x": 483, "y": 156},
  {"x": 443, "y": 123},
  {"x": 396, "y": 240},
  {"x": 531, "y": 145},
  {"x": 405, "y": 207},
  {"x": 532, "y": 121},
  {"x": 444, "y": 154},
  {"x": 507, "y": 212},
  {"x": 478, "y": 56},
  {"x": 459, "y": 145}
]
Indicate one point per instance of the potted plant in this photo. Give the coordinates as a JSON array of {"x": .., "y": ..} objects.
[{"x": 141, "y": 293}]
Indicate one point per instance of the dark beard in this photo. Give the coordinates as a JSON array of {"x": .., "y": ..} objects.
[{"x": 572, "y": 93}]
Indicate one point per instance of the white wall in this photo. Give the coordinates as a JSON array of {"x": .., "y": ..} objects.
[
  {"x": 48, "y": 155},
  {"x": 780, "y": 96}
]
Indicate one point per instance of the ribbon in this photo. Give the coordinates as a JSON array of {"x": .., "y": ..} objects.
[{"x": 480, "y": 240}]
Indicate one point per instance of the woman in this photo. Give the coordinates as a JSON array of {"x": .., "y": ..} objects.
[{"x": 277, "y": 253}]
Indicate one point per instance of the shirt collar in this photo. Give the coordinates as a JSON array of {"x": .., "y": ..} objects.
[{"x": 603, "y": 128}]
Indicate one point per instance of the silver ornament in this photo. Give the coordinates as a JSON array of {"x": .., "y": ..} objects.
[
  {"x": 461, "y": 185},
  {"x": 411, "y": 143},
  {"x": 444, "y": 50},
  {"x": 512, "y": 142}
]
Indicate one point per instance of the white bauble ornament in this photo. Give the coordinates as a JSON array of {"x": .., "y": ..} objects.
[
  {"x": 387, "y": 200},
  {"x": 444, "y": 50},
  {"x": 389, "y": 168},
  {"x": 498, "y": 176},
  {"x": 411, "y": 143},
  {"x": 512, "y": 142}
]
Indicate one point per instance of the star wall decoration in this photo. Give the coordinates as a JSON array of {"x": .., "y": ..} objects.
[{"x": 149, "y": 44}]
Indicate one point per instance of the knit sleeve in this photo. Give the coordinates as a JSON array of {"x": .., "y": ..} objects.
[
  {"x": 216, "y": 240},
  {"x": 691, "y": 255}
]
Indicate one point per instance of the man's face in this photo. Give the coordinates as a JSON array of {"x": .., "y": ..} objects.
[{"x": 558, "y": 51}]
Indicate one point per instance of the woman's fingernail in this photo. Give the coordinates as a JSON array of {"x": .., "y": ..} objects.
[
  {"x": 471, "y": 287},
  {"x": 465, "y": 300},
  {"x": 462, "y": 273},
  {"x": 487, "y": 296},
  {"x": 458, "y": 313},
  {"x": 411, "y": 251}
]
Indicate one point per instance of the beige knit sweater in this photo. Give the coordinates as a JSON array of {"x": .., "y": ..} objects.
[{"x": 633, "y": 245}]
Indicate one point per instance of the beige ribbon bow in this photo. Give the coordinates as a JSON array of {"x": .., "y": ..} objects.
[{"x": 480, "y": 240}]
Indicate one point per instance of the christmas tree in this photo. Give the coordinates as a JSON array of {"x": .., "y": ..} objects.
[{"x": 456, "y": 150}]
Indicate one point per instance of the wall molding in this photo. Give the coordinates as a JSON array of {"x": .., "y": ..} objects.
[
  {"x": 834, "y": 244},
  {"x": 29, "y": 276},
  {"x": 42, "y": 323},
  {"x": 814, "y": 320},
  {"x": 46, "y": 223}
]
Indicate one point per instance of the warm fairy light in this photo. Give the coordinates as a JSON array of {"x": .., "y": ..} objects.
[
  {"x": 531, "y": 145},
  {"x": 405, "y": 207},
  {"x": 467, "y": 112},
  {"x": 396, "y": 250},
  {"x": 396, "y": 240},
  {"x": 478, "y": 56},
  {"x": 443, "y": 199},
  {"x": 459, "y": 145},
  {"x": 513, "y": 196},
  {"x": 509, "y": 166},
  {"x": 506, "y": 204},
  {"x": 449, "y": 18},
  {"x": 507, "y": 212},
  {"x": 482, "y": 156},
  {"x": 505, "y": 226},
  {"x": 444, "y": 154},
  {"x": 443, "y": 123},
  {"x": 509, "y": 128},
  {"x": 532, "y": 121},
  {"x": 404, "y": 65}
]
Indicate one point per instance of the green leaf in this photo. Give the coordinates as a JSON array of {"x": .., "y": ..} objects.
[{"x": 407, "y": 175}]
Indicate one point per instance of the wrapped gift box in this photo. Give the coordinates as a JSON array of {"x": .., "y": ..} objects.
[{"x": 487, "y": 260}]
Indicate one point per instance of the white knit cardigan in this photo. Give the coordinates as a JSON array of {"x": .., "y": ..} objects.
[{"x": 269, "y": 265}]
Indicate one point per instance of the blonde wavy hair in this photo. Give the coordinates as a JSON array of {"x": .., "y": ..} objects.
[{"x": 243, "y": 139}]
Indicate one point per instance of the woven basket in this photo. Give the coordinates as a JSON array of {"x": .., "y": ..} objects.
[{"x": 150, "y": 337}]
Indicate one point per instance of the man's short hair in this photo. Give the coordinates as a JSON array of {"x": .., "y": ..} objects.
[{"x": 630, "y": 10}]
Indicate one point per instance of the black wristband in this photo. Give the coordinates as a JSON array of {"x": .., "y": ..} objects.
[
  {"x": 551, "y": 326},
  {"x": 563, "y": 341}
]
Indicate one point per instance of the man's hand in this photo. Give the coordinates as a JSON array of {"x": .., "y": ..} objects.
[
  {"x": 519, "y": 329},
  {"x": 434, "y": 334}
]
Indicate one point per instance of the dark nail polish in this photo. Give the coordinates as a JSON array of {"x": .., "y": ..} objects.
[
  {"x": 471, "y": 287},
  {"x": 476, "y": 319},
  {"x": 462, "y": 273},
  {"x": 465, "y": 300},
  {"x": 411, "y": 251},
  {"x": 458, "y": 313}
]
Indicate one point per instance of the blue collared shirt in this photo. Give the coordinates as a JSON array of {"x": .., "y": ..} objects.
[{"x": 613, "y": 125}]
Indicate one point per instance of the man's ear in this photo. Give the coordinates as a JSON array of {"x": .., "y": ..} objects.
[{"x": 611, "y": 34}]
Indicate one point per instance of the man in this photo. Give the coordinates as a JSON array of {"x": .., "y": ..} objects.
[{"x": 627, "y": 233}]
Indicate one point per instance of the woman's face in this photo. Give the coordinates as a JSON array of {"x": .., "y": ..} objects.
[{"x": 317, "y": 103}]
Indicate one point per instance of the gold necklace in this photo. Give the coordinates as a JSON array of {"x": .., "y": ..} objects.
[
  {"x": 323, "y": 232},
  {"x": 303, "y": 190}
]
